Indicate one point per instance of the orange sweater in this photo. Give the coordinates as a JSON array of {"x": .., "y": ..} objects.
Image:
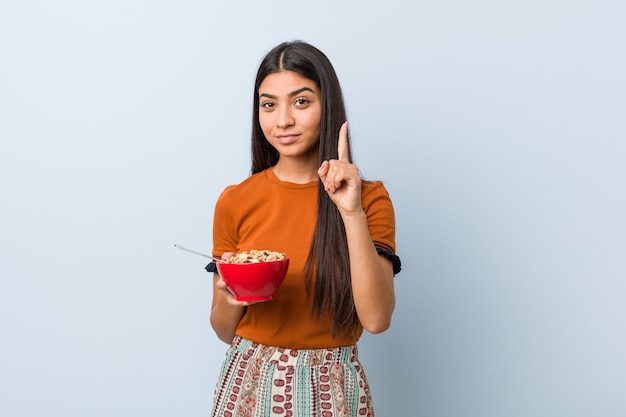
[{"x": 264, "y": 212}]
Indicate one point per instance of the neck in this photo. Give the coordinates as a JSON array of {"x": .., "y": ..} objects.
[{"x": 296, "y": 171}]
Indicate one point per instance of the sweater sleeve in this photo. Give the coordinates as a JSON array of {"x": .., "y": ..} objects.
[
  {"x": 381, "y": 221},
  {"x": 224, "y": 225}
]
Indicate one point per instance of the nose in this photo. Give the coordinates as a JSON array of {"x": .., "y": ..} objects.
[{"x": 285, "y": 118}]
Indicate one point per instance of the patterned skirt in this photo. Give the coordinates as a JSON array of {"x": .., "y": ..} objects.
[{"x": 259, "y": 381}]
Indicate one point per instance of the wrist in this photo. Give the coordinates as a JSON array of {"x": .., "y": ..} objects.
[{"x": 353, "y": 216}]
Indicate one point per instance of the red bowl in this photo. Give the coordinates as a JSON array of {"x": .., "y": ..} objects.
[{"x": 253, "y": 281}]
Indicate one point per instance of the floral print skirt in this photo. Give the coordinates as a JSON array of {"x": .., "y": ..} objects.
[{"x": 259, "y": 381}]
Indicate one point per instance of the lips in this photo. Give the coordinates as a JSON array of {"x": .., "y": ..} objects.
[{"x": 287, "y": 139}]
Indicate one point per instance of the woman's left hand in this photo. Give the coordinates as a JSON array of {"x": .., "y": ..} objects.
[{"x": 341, "y": 178}]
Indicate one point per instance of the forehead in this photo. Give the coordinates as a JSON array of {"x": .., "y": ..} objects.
[{"x": 285, "y": 82}]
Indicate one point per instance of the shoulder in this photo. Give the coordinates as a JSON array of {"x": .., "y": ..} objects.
[
  {"x": 377, "y": 204},
  {"x": 373, "y": 190},
  {"x": 251, "y": 184},
  {"x": 370, "y": 185}
]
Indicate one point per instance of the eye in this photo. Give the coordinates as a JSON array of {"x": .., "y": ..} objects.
[
  {"x": 268, "y": 105},
  {"x": 301, "y": 101}
]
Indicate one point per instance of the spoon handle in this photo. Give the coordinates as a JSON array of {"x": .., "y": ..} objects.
[{"x": 198, "y": 253}]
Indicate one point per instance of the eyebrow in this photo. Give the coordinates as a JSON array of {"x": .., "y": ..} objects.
[{"x": 293, "y": 93}]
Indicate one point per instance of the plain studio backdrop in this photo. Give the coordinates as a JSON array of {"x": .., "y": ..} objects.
[{"x": 498, "y": 127}]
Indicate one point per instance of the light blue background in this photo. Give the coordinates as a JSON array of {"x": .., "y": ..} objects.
[{"x": 498, "y": 126}]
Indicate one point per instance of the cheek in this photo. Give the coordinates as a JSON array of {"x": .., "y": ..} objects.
[
  {"x": 265, "y": 123},
  {"x": 317, "y": 118},
  {"x": 315, "y": 122}
]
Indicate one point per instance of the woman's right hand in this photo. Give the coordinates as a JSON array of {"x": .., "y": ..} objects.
[
  {"x": 230, "y": 298},
  {"x": 220, "y": 284},
  {"x": 226, "y": 310}
]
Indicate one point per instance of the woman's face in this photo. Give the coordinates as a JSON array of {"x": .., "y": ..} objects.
[{"x": 290, "y": 111}]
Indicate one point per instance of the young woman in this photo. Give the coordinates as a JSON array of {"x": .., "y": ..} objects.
[{"x": 296, "y": 354}]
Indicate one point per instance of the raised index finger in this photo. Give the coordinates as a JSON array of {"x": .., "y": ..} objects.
[{"x": 342, "y": 147}]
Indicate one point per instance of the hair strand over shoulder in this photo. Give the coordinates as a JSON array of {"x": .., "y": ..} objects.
[{"x": 327, "y": 268}]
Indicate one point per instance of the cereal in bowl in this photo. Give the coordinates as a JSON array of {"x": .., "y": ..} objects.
[{"x": 255, "y": 256}]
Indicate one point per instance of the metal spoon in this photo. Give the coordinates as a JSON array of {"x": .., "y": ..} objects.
[{"x": 198, "y": 253}]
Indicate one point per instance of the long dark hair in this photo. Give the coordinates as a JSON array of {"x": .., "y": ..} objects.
[{"x": 327, "y": 268}]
